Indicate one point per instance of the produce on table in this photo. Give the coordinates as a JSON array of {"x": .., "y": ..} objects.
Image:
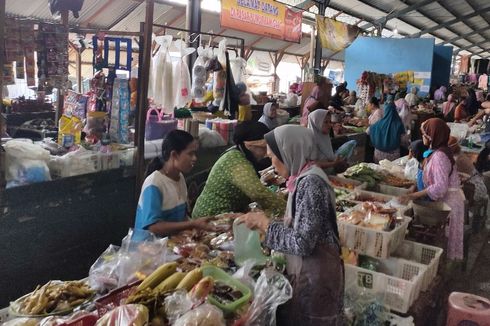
[
  {"x": 343, "y": 205},
  {"x": 395, "y": 181},
  {"x": 130, "y": 314},
  {"x": 340, "y": 184},
  {"x": 356, "y": 122},
  {"x": 53, "y": 297},
  {"x": 225, "y": 293},
  {"x": 191, "y": 279},
  {"x": 364, "y": 197},
  {"x": 158, "y": 276},
  {"x": 202, "y": 289},
  {"x": 171, "y": 282},
  {"x": 371, "y": 215},
  {"x": 362, "y": 172},
  {"x": 205, "y": 315},
  {"x": 340, "y": 192}
]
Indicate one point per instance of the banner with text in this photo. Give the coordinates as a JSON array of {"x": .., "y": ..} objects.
[
  {"x": 335, "y": 35},
  {"x": 262, "y": 17}
]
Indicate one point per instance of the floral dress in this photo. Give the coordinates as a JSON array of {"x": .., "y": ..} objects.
[
  {"x": 232, "y": 185},
  {"x": 447, "y": 188}
]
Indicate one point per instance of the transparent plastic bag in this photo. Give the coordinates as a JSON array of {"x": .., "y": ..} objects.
[
  {"x": 411, "y": 169},
  {"x": 272, "y": 290},
  {"x": 127, "y": 315},
  {"x": 243, "y": 274},
  {"x": 26, "y": 162},
  {"x": 182, "y": 75},
  {"x": 176, "y": 305},
  {"x": 204, "y": 315},
  {"x": 140, "y": 254},
  {"x": 103, "y": 273},
  {"x": 363, "y": 309}
]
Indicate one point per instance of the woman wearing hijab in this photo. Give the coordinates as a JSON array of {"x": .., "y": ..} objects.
[
  {"x": 376, "y": 112},
  {"x": 440, "y": 94},
  {"x": 351, "y": 99},
  {"x": 412, "y": 98},
  {"x": 233, "y": 182},
  {"x": 386, "y": 135},
  {"x": 404, "y": 113},
  {"x": 269, "y": 116},
  {"x": 448, "y": 108},
  {"x": 472, "y": 104},
  {"x": 319, "y": 122},
  {"x": 442, "y": 182},
  {"x": 313, "y": 101},
  {"x": 308, "y": 236}
]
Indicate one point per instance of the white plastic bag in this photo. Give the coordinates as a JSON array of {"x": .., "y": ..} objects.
[
  {"x": 103, "y": 273},
  {"x": 204, "y": 315},
  {"x": 182, "y": 75},
  {"x": 161, "y": 81},
  {"x": 411, "y": 169},
  {"x": 26, "y": 163},
  {"x": 243, "y": 274}
]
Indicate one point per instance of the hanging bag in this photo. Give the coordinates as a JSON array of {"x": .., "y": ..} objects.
[{"x": 159, "y": 125}]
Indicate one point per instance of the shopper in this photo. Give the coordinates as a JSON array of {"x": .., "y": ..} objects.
[
  {"x": 472, "y": 104},
  {"x": 351, "y": 99},
  {"x": 442, "y": 182},
  {"x": 233, "y": 182},
  {"x": 440, "y": 94},
  {"x": 162, "y": 206},
  {"x": 386, "y": 135},
  {"x": 485, "y": 111},
  {"x": 404, "y": 113},
  {"x": 337, "y": 99},
  {"x": 269, "y": 115},
  {"x": 376, "y": 112},
  {"x": 412, "y": 98},
  {"x": 313, "y": 101},
  {"x": 449, "y": 107},
  {"x": 319, "y": 122},
  {"x": 308, "y": 236}
]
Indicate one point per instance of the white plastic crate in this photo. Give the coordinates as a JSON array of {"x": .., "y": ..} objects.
[
  {"x": 395, "y": 320},
  {"x": 422, "y": 254},
  {"x": 370, "y": 242},
  {"x": 74, "y": 163},
  {"x": 398, "y": 282}
]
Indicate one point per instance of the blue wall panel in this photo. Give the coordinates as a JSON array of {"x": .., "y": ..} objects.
[
  {"x": 388, "y": 55},
  {"x": 441, "y": 67}
]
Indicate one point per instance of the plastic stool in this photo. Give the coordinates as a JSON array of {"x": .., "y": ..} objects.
[{"x": 468, "y": 310}]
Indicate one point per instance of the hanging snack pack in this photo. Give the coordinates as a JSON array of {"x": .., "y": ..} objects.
[
  {"x": 95, "y": 126},
  {"x": 75, "y": 104},
  {"x": 52, "y": 49},
  {"x": 120, "y": 112}
]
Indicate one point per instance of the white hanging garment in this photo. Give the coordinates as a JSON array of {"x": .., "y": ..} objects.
[
  {"x": 182, "y": 75},
  {"x": 161, "y": 87}
]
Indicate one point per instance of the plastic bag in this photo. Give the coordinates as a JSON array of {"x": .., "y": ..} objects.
[
  {"x": 204, "y": 315},
  {"x": 140, "y": 254},
  {"x": 103, "y": 273},
  {"x": 411, "y": 169},
  {"x": 347, "y": 149},
  {"x": 210, "y": 138},
  {"x": 127, "y": 315},
  {"x": 247, "y": 245},
  {"x": 243, "y": 274},
  {"x": 26, "y": 162},
  {"x": 182, "y": 75},
  {"x": 238, "y": 66},
  {"x": 161, "y": 83},
  {"x": 363, "y": 309},
  {"x": 272, "y": 290}
]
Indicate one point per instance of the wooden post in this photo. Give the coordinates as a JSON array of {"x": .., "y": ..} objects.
[
  {"x": 2, "y": 152},
  {"x": 142, "y": 101},
  {"x": 79, "y": 69}
]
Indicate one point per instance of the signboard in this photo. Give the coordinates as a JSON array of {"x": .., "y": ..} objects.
[{"x": 263, "y": 17}]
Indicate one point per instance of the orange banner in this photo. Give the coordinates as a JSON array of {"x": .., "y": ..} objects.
[{"x": 262, "y": 17}]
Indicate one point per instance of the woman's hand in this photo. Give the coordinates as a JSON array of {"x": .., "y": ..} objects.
[
  {"x": 255, "y": 221},
  {"x": 404, "y": 199},
  {"x": 203, "y": 224}
]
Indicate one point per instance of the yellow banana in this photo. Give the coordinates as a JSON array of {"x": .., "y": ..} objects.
[
  {"x": 158, "y": 276},
  {"x": 191, "y": 279},
  {"x": 170, "y": 282}
]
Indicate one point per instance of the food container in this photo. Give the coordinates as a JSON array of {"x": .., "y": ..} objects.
[
  {"x": 430, "y": 213},
  {"x": 219, "y": 275},
  {"x": 397, "y": 281},
  {"x": 346, "y": 184}
]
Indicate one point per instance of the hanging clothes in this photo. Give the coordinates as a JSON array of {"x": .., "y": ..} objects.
[
  {"x": 483, "y": 82},
  {"x": 464, "y": 65}
]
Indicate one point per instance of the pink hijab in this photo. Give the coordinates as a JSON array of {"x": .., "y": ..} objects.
[{"x": 449, "y": 105}]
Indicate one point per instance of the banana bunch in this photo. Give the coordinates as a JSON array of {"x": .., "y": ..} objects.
[{"x": 54, "y": 297}]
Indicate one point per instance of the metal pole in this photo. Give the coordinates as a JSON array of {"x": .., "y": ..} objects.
[
  {"x": 142, "y": 100},
  {"x": 318, "y": 45},
  {"x": 3, "y": 182},
  {"x": 193, "y": 23}
]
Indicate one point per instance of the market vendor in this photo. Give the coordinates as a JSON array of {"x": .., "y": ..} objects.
[
  {"x": 313, "y": 101},
  {"x": 442, "y": 182},
  {"x": 449, "y": 107},
  {"x": 338, "y": 99},
  {"x": 376, "y": 112},
  {"x": 387, "y": 135},
  {"x": 351, "y": 99},
  {"x": 309, "y": 234},
  {"x": 412, "y": 98},
  {"x": 233, "y": 182},
  {"x": 269, "y": 115},
  {"x": 417, "y": 150},
  {"x": 319, "y": 122},
  {"x": 162, "y": 206}
]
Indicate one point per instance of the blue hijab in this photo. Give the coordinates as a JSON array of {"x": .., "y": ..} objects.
[{"x": 385, "y": 134}]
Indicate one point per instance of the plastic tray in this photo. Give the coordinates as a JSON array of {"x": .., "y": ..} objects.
[
  {"x": 115, "y": 298},
  {"x": 422, "y": 254},
  {"x": 374, "y": 243},
  {"x": 220, "y": 275},
  {"x": 398, "y": 282}
]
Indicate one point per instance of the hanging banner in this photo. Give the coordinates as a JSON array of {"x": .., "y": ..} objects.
[
  {"x": 262, "y": 17},
  {"x": 335, "y": 35}
]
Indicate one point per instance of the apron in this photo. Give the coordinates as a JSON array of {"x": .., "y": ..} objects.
[{"x": 317, "y": 281}]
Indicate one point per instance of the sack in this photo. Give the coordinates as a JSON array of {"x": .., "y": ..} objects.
[
  {"x": 159, "y": 125},
  {"x": 26, "y": 162}
]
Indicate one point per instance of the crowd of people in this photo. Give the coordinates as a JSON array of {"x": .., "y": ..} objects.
[{"x": 303, "y": 155}]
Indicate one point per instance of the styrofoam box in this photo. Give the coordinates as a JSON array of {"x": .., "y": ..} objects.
[
  {"x": 398, "y": 282},
  {"x": 374, "y": 243},
  {"x": 422, "y": 254}
]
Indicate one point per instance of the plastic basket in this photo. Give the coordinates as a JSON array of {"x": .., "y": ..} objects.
[
  {"x": 114, "y": 298},
  {"x": 354, "y": 184},
  {"x": 398, "y": 282},
  {"x": 422, "y": 254},
  {"x": 370, "y": 242},
  {"x": 395, "y": 320}
]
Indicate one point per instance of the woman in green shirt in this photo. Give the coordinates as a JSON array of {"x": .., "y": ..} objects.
[{"x": 233, "y": 182}]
